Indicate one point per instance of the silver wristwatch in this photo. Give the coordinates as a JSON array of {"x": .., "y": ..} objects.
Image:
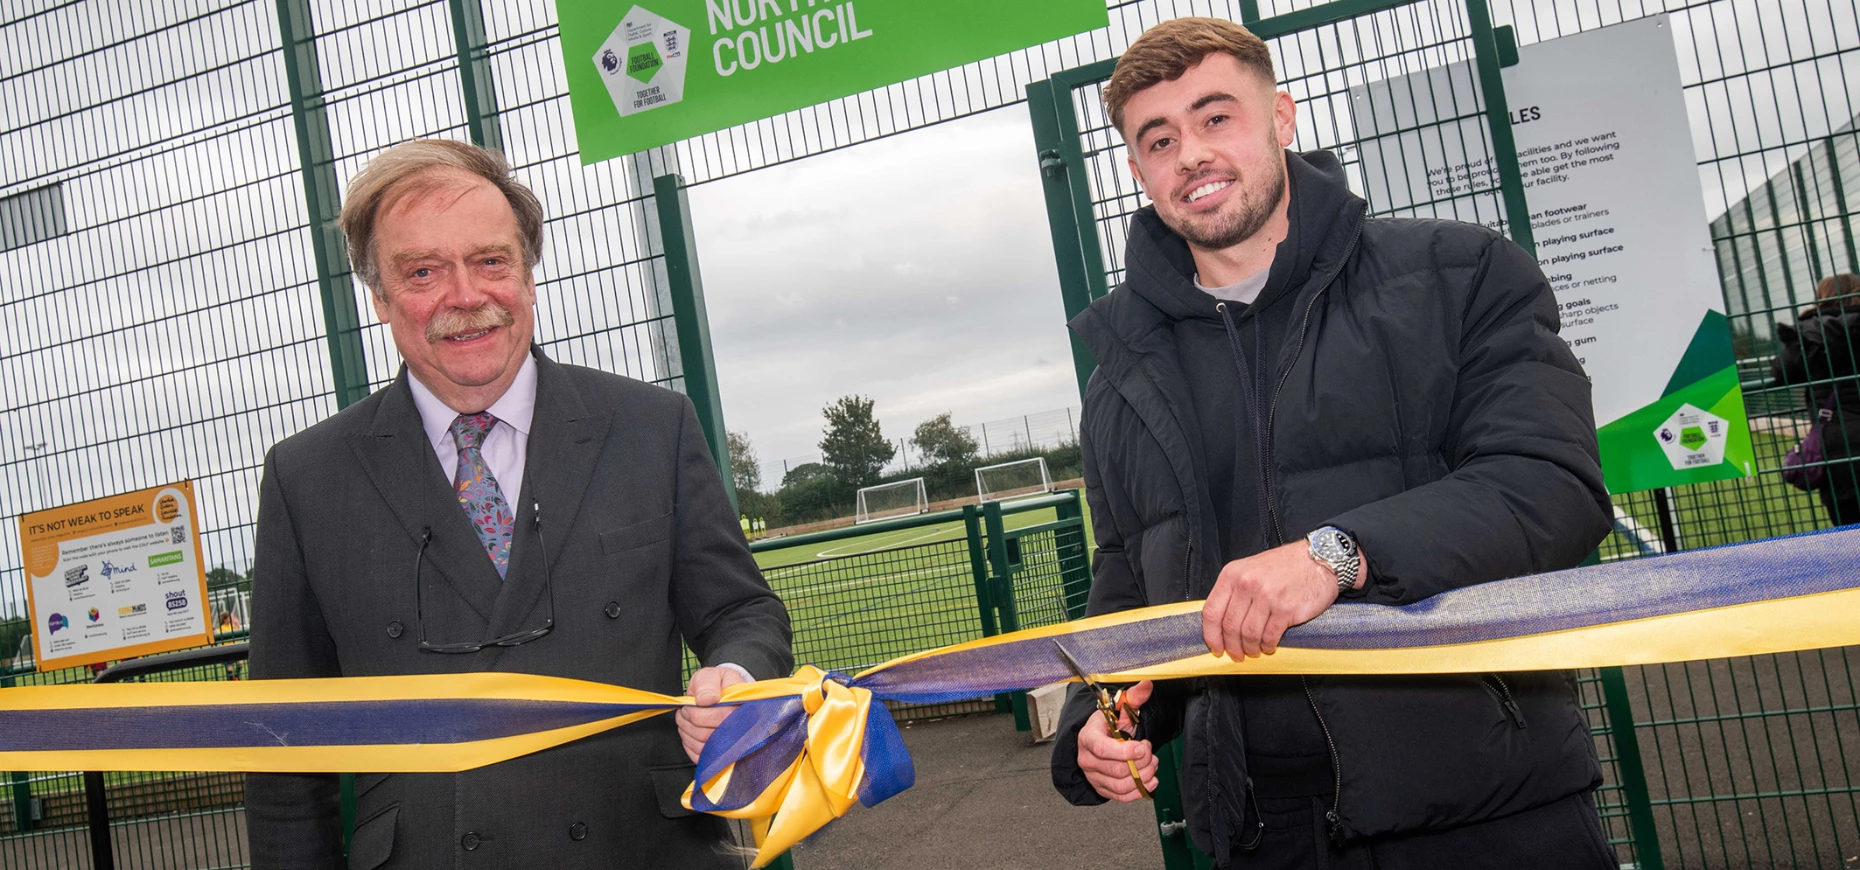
[{"x": 1333, "y": 548}]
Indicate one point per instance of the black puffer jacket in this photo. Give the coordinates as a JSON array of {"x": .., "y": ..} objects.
[{"x": 1420, "y": 399}]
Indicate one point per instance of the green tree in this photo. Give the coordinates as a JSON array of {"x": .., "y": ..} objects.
[
  {"x": 223, "y": 578},
  {"x": 809, "y": 492},
  {"x": 943, "y": 443},
  {"x": 744, "y": 467},
  {"x": 805, "y": 473},
  {"x": 11, "y": 631},
  {"x": 853, "y": 446}
]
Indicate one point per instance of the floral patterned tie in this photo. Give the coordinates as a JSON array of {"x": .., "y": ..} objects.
[{"x": 478, "y": 493}]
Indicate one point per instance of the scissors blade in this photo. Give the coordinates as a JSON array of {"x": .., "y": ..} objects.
[{"x": 1078, "y": 670}]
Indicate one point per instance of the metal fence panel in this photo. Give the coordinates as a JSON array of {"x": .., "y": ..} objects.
[{"x": 1751, "y": 762}]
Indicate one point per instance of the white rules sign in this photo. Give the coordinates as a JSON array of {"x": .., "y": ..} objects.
[{"x": 1613, "y": 189}]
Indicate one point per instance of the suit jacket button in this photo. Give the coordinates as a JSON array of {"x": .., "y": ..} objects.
[
  {"x": 612, "y": 610},
  {"x": 578, "y": 831},
  {"x": 469, "y": 841},
  {"x": 395, "y": 629}
]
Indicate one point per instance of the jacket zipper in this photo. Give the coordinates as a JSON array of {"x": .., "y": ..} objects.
[
  {"x": 1272, "y": 412},
  {"x": 1333, "y": 821},
  {"x": 1505, "y": 701},
  {"x": 1253, "y": 383}
]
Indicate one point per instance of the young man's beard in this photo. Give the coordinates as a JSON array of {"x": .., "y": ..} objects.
[{"x": 1249, "y": 218}]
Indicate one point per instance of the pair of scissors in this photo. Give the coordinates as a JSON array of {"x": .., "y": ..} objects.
[{"x": 1110, "y": 705}]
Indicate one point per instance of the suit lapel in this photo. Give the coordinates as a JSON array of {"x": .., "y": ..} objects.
[
  {"x": 565, "y": 444},
  {"x": 400, "y": 462}
]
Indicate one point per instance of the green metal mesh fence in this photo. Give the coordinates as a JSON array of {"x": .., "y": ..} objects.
[
  {"x": 852, "y": 612},
  {"x": 1054, "y": 574},
  {"x": 1751, "y": 762},
  {"x": 158, "y": 820}
]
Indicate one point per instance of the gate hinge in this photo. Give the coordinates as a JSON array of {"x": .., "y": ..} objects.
[{"x": 1051, "y": 165}]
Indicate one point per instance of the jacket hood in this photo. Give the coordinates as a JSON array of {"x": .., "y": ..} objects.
[{"x": 1162, "y": 269}]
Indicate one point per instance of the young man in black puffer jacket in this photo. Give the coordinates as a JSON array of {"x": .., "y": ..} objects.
[{"x": 1293, "y": 404}]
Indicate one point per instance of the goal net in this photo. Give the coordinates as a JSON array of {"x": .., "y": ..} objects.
[
  {"x": 1013, "y": 479},
  {"x": 896, "y": 499}
]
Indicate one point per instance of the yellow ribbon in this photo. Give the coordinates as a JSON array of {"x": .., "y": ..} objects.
[{"x": 822, "y": 783}]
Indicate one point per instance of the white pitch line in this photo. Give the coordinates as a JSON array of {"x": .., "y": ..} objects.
[
  {"x": 833, "y": 552},
  {"x": 839, "y": 585}
]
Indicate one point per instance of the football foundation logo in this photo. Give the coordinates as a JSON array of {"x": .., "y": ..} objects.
[
  {"x": 642, "y": 63},
  {"x": 1693, "y": 438}
]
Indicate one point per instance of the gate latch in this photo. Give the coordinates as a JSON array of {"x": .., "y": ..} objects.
[{"x": 1050, "y": 164}]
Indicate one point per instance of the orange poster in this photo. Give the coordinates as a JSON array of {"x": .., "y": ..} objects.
[{"x": 115, "y": 578}]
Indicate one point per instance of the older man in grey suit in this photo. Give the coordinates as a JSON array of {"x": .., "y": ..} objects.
[{"x": 492, "y": 510}]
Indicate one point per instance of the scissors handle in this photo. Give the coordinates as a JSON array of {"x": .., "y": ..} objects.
[{"x": 1115, "y": 706}]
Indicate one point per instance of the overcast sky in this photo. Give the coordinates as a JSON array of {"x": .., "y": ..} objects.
[{"x": 916, "y": 270}]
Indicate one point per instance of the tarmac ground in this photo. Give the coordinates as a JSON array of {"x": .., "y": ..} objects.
[{"x": 984, "y": 798}]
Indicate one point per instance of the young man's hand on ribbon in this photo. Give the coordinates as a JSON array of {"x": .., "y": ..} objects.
[{"x": 1257, "y": 598}]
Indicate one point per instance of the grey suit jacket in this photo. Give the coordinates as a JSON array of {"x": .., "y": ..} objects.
[{"x": 642, "y": 548}]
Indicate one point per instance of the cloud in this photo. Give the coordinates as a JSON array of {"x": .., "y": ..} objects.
[{"x": 919, "y": 273}]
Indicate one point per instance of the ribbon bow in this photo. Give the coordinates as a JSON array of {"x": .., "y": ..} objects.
[{"x": 796, "y": 754}]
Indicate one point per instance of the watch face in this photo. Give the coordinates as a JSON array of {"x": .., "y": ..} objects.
[{"x": 1333, "y": 544}]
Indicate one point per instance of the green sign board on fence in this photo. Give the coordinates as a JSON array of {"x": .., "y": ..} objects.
[{"x": 641, "y": 76}]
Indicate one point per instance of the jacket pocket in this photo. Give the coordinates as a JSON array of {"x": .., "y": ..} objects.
[
  {"x": 373, "y": 842},
  {"x": 366, "y": 782},
  {"x": 638, "y": 534},
  {"x": 668, "y": 784}
]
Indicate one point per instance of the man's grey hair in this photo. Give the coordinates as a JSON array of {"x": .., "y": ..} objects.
[{"x": 418, "y": 166}]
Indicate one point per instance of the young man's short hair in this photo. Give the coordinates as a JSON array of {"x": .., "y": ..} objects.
[{"x": 1166, "y": 51}]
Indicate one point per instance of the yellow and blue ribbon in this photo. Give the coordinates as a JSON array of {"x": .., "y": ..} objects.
[{"x": 800, "y": 751}]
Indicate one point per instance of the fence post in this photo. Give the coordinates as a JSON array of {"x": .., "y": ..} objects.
[
  {"x": 1620, "y": 715},
  {"x": 97, "y": 815},
  {"x": 1179, "y": 852},
  {"x": 475, "y": 74},
  {"x": 1669, "y": 528},
  {"x": 1488, "y": 58},
  {"x": 1074, "y": 562},
  {"x": 322, "y": 199},
  {"x": 1001, "y": 587},
  {"x": 978, "y": 569},
  {"x": 1043, "y": 98},
  {"x": 692, "y": 321}
]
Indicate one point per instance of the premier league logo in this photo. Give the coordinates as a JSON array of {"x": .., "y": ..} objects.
[
  {"x": 1666, "y": 435},
  {"x": 610, "y": 62}
]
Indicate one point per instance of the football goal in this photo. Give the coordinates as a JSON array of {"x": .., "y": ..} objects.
[
  {"x": 896, "y": 499},
  {"x": 1016, "y": 479}
]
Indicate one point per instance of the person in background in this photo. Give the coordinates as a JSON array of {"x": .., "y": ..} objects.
[{"x": 1819, "y": 352}]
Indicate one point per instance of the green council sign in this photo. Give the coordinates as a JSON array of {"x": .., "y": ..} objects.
[{"x": 645, "y": 75}]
